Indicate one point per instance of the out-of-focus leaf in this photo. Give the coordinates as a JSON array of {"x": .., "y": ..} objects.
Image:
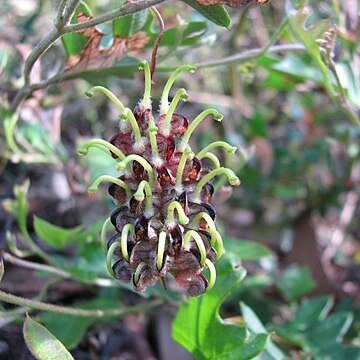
[
  {"x": 295, "y": 282},
  {"x": 87, "y": 265},
  {"x": 2, "y": 269},
  {"x": 349, "y": 76},
  {"x": 313, "y": 310},
  {"x": 38, "y": 137},
  {"x": 70, "y": 329},
  {"x": 331, "y": 329},
  {"x": 199, "y": 328},
  {"x": 129, "y": 25},
  {"x": 215, "y": 13},
  {"x": 74, "y": 43},
  {"x": 4, "y": 58},
  {"x": 316, "y": 332},
  {"x": 308, "y": 36},
  {"x": 246, "y": 250},
  {"x": 339, "y": 351},
  {"x": 54, "y": 235},
  {"x": 125, "y": 68},
  {"x": 42, "y": 344},
  {"x": 189, "y": 35},
  {"x": 255, "y": 325}
]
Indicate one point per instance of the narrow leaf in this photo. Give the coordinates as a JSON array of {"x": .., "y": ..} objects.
[
  {"x": 42, "y": 344},
  {"x": 54, "y": 235}
]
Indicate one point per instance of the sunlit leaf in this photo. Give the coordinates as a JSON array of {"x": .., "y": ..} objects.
[
  {"x": 42, "y": 344},
  {"x": 200, "y": 329}
]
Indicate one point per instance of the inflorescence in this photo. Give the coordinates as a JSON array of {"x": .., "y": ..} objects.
[{"x": 165, "y": 222}]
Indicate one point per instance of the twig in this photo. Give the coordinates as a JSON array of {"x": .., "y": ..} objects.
[
  {"x": 241, "y": 57},
  {"x": 62, "y": 27},
  {"x": 158, "y": 39},
  {"x": 50, "y": 269},
  {"x": 34, "y": 266},
  {"x": 39, "y": 305},
  {"x": 249, "y": 55},
  {"x": 127, "y": 9}
]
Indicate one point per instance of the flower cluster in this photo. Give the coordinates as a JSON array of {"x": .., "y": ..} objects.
[{"x": 164, "y": 220}]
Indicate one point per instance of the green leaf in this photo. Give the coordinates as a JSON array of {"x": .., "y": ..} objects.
[
  {"x": 246, "y": 250},
  {"x": 42, "y": 344},
  {"x": 295, "y": 282},
  {"x": 215, "y": 13},
  {"x": 200, "y": 329},
  {"x": 74, "y": 43},
  {"x": 54, "y": 235},
  {"x": 332, "y": 329},
  {"x": 188, "y": 35},
  {"x": 313, "y": 310},
  {"x": 340, "y": 351},
  {"x": 256, "y": 326},
  {"x": 70, "y": 329},
  {"x": 308, "y": 36},
  {"x": 129, "y": 25},
  {"x": 124, "y": 68}
]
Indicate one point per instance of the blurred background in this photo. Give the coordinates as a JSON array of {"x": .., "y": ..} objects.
[{"x": 294, "y": 221}]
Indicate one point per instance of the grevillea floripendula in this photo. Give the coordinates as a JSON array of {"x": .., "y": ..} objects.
[{"x": 164, "y": 221}]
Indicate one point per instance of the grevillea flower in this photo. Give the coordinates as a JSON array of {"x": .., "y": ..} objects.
[{"x": 164, "y": 222}]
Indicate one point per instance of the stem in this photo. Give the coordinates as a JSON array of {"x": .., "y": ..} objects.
[
  {"x": 158, "y": 39},
  {"x": 185, "y": 140},
  {"x": 103, "y": 233},
  {"x": 164, "y": 107},
  {"x": 138, "y": 271},
  {"x": 213, "y": 158},
  {"x": 199, "y": 242},
  {"x": 139, "y": 196},
  {"x": 237, "y": 58},
  {"x": 249, "y": 55},
  {"x": 100, "y": 144},
  {"x": 228, "y": 148},
  {"x": 180, "y": 95},
  {"x": 187, "y": 154},
  {"x": 212, "y": 274},
  {"x": 34, "y": 265},
  {"x": 145, "y": 164},
  {"x": 161, "y": 250},
  {"x": 170, "y": 219},
  {"x": 232, "y": 178},
  {"x": 109, "y": 94},
  {"x": 145, "y": 103},
  {"x": 128, "y": 115},
  {"x": 38, "y": 305},
  {"x": 94, "y": 186},
  {"x": 109, "y": 255}
]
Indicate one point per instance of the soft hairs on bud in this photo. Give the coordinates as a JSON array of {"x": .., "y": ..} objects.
[{"x": 165, "y": 220}]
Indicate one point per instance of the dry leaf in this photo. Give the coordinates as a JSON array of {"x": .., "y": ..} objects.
[
  {"x": 232, "y": 3},
  {"x": 94, "y": 57}
]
